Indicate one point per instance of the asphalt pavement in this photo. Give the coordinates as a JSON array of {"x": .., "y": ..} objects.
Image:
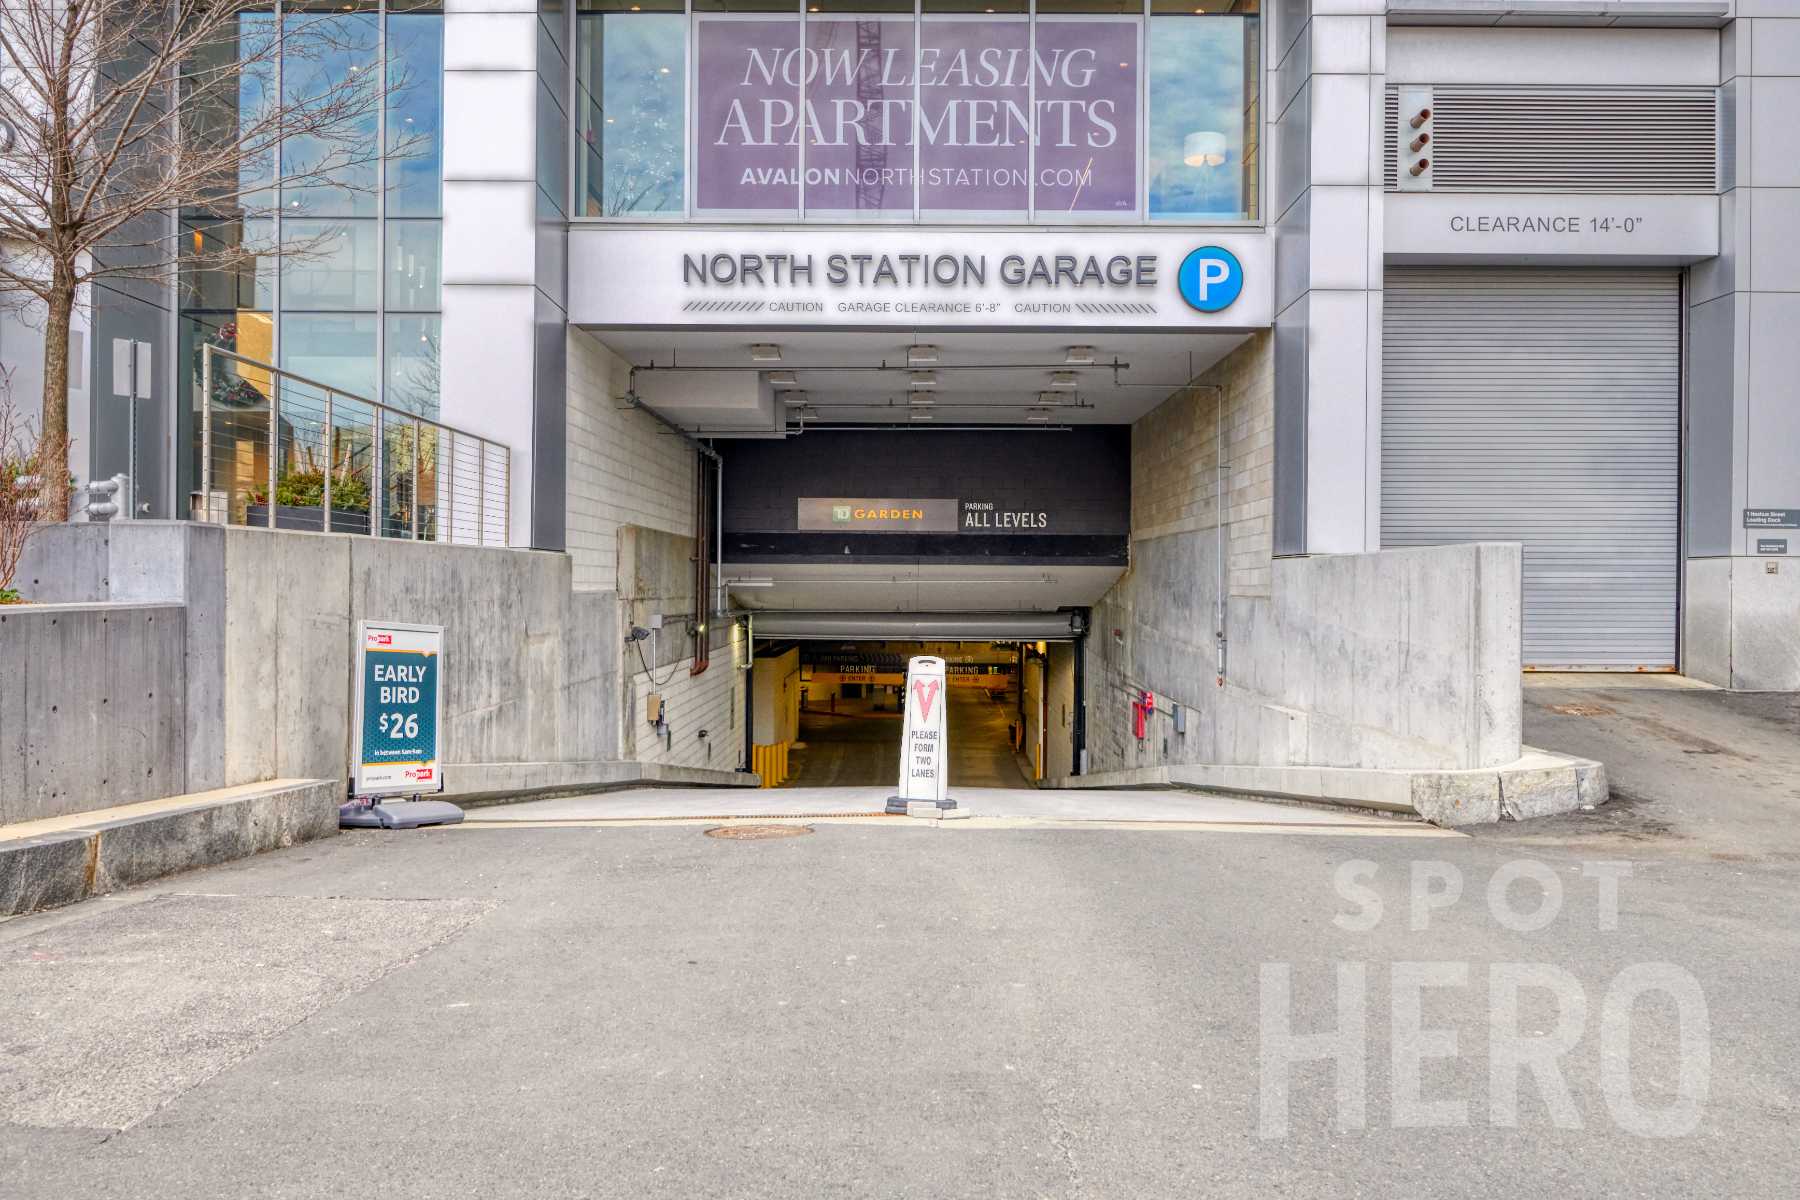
[
  {"x": 1599, "y": 1005},
  {"x": 885, "y": 1009}
]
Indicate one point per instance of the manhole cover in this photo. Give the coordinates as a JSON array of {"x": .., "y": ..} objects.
[
  {"x": 756, "y": 833},
  {"x": 1582, "y": 710}
]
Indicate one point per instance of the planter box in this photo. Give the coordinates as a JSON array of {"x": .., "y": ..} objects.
[{"x": 294, "y": 516}]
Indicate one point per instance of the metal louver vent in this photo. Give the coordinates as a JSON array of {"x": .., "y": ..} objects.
[{"x": 1568, "y": 140}]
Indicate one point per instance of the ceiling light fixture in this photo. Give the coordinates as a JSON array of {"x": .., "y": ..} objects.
[
  {"x": 921, "y": 416},
  {"x": 1052, "y": 398},
  {"x": 783, "y": 379},
  {"x": 793, "y": 399},
  {"x": 1064, "y": 380},
  {"x": 921, "y": 401},
  {"x": 763, "y": 352},
  {"x": 922, "y": 380},
  {"x": 917, "y": 356},
  {"x": 1079, "y": 356},
  {"x": 1205, "y": 149}
]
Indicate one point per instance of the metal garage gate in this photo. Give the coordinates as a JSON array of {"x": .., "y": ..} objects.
[{"x": 1544, "y": 407}]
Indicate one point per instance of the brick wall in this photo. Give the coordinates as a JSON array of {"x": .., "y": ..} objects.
[
  {"x": 1175, "y": 464},
  {"x": 623, "y": 467}
]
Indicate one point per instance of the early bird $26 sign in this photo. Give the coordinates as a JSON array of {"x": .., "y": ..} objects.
[{"x": 399, "y": 709}]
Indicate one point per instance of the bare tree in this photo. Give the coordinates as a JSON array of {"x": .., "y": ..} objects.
[
  {"x": 116, "y": 115},
  {"x": 34, "y": 487}
]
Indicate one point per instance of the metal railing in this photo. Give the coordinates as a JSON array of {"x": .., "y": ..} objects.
[{"x": 282, "y": 451}]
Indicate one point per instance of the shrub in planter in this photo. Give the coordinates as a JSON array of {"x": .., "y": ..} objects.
[{"x": 306, "y": 489}]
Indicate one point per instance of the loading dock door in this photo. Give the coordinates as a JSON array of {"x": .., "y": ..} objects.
[{"x": 1544, "y": 407}]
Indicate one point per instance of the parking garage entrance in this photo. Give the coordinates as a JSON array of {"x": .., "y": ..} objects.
[{"x": 839, "y": 708}]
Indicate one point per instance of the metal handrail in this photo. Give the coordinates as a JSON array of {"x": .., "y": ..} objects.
[{"x": 366, "y": 430}]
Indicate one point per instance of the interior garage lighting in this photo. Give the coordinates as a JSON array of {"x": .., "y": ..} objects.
[
  {"x": 793, "y": 399},
  {"x": 765, "y": 352},
  {"x": 1065, "y": 380},
  {"x": 921, "y": 355},
  {"x": 1052, "y": 398},
  {"x": 783, "y": 379},
  {"x": 921, "y": 401},
  {"x": 1037, "y": 416},
  {"x": 922, "y": 380},
  {"x": 921, "y": 416},
  {"x": 1079, "y": 356}
]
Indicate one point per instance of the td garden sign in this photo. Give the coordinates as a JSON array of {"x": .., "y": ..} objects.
[{"x": 1120, "y": 278}]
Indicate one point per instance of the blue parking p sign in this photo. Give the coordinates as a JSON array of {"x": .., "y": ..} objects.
[
  {"x": 1210, "y": 279},
  {"x": 399, "y": 708}
]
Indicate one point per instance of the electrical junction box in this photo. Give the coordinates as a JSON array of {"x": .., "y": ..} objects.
[{"x": 653, "y": 707}]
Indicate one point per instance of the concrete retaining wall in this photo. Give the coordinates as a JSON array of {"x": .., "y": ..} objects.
[
  {"x": 1401, "y": 659},
  {"x": 252, "y": 659},
  {"x": 92, "y": 712}
]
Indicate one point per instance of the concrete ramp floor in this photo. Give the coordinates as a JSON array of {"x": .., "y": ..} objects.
[{"x": 987, "y": 808}]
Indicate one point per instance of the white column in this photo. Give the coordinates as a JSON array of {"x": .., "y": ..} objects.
[
  {"x": 490, "y": 103},
  {"x": 1327, "y": 84}
]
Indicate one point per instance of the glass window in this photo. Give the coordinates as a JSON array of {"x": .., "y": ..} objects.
[
  {"x": 975, "y": 160},
  {"x": 747, "y": 116},
  {"x": 859, "y": 6},
  {"x": 251, "y": 334},
  {"x": 337, "y": 349},
  {"x": 1086, "y": 104},
  {"x": 225, "y": 264},
  {"x": 859, "y": 146},
  {"x": 415, "y": 261},
  {"x": 742, "y": 6},
  {"x": 1107, "y": 7},
  {"x": 631, "y": 100},
  {"x": 415, "y": 143},
  {"x": 335, "y": 170},
  {"x": 331, "y": 264},
  {"x": 228, "y": 94},
  {"x": 412, "y": 364},
  {"x": 1203, "y": 116}
]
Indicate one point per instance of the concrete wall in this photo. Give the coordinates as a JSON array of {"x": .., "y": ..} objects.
[
  {"x": 1406, "y": 658},
  {"x": 92, "y": 711},
  {"x": 267, "y": 623}
]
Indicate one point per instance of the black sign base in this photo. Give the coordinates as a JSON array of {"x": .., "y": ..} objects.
[
  {"x": 896, "y": 805},
  {"x": 398, "y": 814}
]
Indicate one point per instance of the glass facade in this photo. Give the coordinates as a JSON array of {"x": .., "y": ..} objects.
[
  {"x": 360, "y": 211},
  {"x": 1047, "y": 111}
]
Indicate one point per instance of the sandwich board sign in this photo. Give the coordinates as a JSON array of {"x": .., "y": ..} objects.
[
  {"x": 924, "y": 748},
  {"x": 399, "y": 709}
]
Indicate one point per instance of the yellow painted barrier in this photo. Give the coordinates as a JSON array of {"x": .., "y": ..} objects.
[{"x": 770, "y": 762}]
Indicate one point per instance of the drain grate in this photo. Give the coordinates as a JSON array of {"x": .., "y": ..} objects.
[{"x": 756, "y": 833}]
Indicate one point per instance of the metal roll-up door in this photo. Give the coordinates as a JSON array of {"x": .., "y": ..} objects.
[{"x": 1544, "y": 407}]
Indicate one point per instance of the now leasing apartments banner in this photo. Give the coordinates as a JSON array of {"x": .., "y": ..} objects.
[{"x": 978, "y": 88}]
